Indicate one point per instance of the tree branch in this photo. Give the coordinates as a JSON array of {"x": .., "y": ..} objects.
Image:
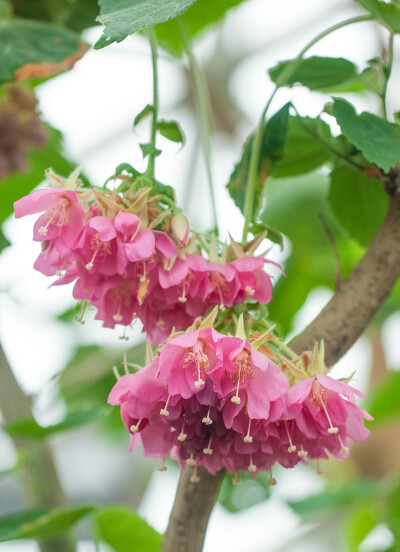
[
  {"x": 39, "y": 474},
  {"x": 340, "y": 324}
]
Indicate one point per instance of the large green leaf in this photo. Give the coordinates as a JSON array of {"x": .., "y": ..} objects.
[
  {"x": 332, "y": 499},
  {"x": 387, "y": 13},
  {"x": 236, "y": 498},
  {"x": 23, "y": 41},
  {"x": 273, "y": 142},
  {"x": 125, "y": 531},
  {"x": 75, "y": 15},
  {"x": 196, "y": 19},
  {"x": 317, "y": 73},
  {"x": 376, "y": 138},
  {"x": 383, "y": 401},
  {"x": 359, "y": 203},
  {"x": 41, "y": 524},
  {"x": 359, "y": 523},
  {"x": 17, "y": 185},
  {"x": 124, "y": 17},
  {"x": 295, "y": 206},
  {"x": 306, "y": 147},
  {"x": 28, "y": 428}
]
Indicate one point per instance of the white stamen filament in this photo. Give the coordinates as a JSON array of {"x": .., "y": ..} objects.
[
  {"x": 191, "y": 461},
  {"x": 302, "y": 453},
  {"x": 43, "y": 229},
  {"x": 331, "y": 429},
  {"x": 271, "y": 480},
  {"x": 164, "y": 411},
  {"x": 248, "y": 438},
  {"x": 207, "y": 420},
  {"x": 135, "y": 428},
  {"x": 292, "y": 447},
  {"x": 89, "y": 265},
  {"x": 251, "y": 468},
  {"x": 208, "y": 449},
  {"x": 195, "y": 478},
  {"x": 344, "y": 450},
  {"x": 182, "y": 436},
  {"x": 163, "y": 467},
  {"x": 236, "y": 399}
]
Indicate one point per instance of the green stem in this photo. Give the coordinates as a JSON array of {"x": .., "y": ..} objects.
[
  {"x": 153, "y": 136},
  {"x": 204, "y": 110},
  {"x": 388, "y": 71},
  {"x": 282, "y": 79}
]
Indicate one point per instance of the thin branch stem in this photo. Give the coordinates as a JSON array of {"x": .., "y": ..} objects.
[
  {"x": 204, "y": 111},
  {"x": 388, "y": 71},
  {"x": 153, "y": 136},
  {"x": 282, "y": 79}
]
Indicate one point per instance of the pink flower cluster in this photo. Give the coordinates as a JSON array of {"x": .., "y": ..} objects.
[
  {"x": 127, "y": 270},
  {"x": 215, "y": 401}
]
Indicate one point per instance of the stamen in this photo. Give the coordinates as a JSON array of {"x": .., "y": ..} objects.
[
  {"x": 207, "y": 420},
  {"x": 117, "y": 316},
  {"x": 195, "y": 478},
  {"x": 344, "y": 450},
  {"x": 191, "y": 461},
  {"x": 302, "y": 453},
  {"x": 163, "y": 467},
  {"x": 83, "y": 310},
  {"x": 331, "y": 429},
  {"x": 271, "y": 480},
  {"x": 248, "y": 438},
  {"x": 249, "y": 290},
  {"x": 116, "y": 373},
  {"x": 236, "y": 480},
  {"x": 292, "y": 447},
  {"x": 135, "y": 428},
  {"x": 43, "y": 229},
  {"x": 164, "y": 411},
  {"x": 124, "y": 337},
  {"x": 251, "y": 468},
  {"x": 125, "y": 362},
  {"x": 320, "y": 471},
  {"x": 236, "y": 399},
  {"x": 182, "y": 436},
  {"x": 208, "y": 450},
  {"x": 89, "y": 265}
]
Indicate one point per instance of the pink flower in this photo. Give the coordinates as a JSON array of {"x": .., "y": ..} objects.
[{"x": 63, "y": 217}]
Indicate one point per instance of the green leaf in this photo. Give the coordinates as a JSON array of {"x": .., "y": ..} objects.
[
  {"x": 23, "y": 42},
  {"x": 142, "y": 114},
  {"x": 387, "y": 13},
  {"x": 236, "y": 498},
  {"x": 383, "y": 401},
  {"x": 317, "y": 73},
  {"x": 171, "y": 130},
  {"x": 196, "y": 20},
  {"x": 332, "y": 499},
  {"x": 41, "y": 523},
  {"x": 28, "y": 428},
  {"x": 4, "y": 242},
  {"x": 294, "y": 206},
  {"x": 272, "y": 145},
  {"x": 124, "y": 17},
  {"x": 17, "y": 185},
  {"x": 358, "y": 524},
  {"x": 305, "y": 150},
  {"x": 376, "y": 138},
  {"x": 359, "y": 203},
  {"x": 272, "y": 233},
  {"x": 125, "y": 531},
  {"x": 149, "y": 149}
]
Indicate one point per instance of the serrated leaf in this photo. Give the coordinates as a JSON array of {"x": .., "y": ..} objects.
[
  {"x": 387, "y": 13},
  {"x": 124, "y": 530},
  {"x": 124, "y": 17},
  {"x": 317, "y": 73},
  {"x": 273, "y": 141},
  {"x": 23, "y": 42},
  {"x": 359, "y": 203},
  {"x": 197, "y": 18},
  {"x": 142, "y": 114},
  {"x": 28, "y": 428},
  {"x": 17, "y": 185},
  {"x": 39, "y": 524},
  {"x": 149, "y": 149},
  {"x": 171, "y": 130},
  {"x": 304, "y": 151},
  {"x": 377, "y": 139}
]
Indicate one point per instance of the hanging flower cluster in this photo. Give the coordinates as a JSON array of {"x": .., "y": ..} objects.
[
  {"x": 131, "y": 257},
  {"x": 216, "y": 401}
]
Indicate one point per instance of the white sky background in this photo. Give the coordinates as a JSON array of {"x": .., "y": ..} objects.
[{"x": 94, "y": 106}]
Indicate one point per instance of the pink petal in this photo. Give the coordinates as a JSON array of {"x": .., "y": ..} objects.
[
  {"x": 104, "y": 226},
  {"x": 142, "y": 247},
  {"x": 126, "y": 224},
  {"x": 166, "y": 245}
]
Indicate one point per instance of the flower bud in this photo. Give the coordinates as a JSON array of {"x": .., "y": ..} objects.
[{"x": 180, "y": 228}]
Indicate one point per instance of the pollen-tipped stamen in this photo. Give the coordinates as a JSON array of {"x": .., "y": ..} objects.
[
  {"x": 248, "y": 438},
  {"x": 135, "y": 428},
  {"x": 291, "y": 447},
  {"x": 271, "y": 480},
  {"x": 251, "y": 467},
  {"x": 208, "y": 450},
  {"x": 331, "y": 429},
  {"x": 207, "y": 420},
  {"x": 163, "y": 467},
  {"x": 195, "y": 478},
  {"x": 344, "y": 450},
  {"x": 164, "y": 411},
  {"x": 236, "y": 480},
  {"x": 236, "y": 399},
  {"x": 191, "y": 461},
  {"x": 182, "y": 436}
]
